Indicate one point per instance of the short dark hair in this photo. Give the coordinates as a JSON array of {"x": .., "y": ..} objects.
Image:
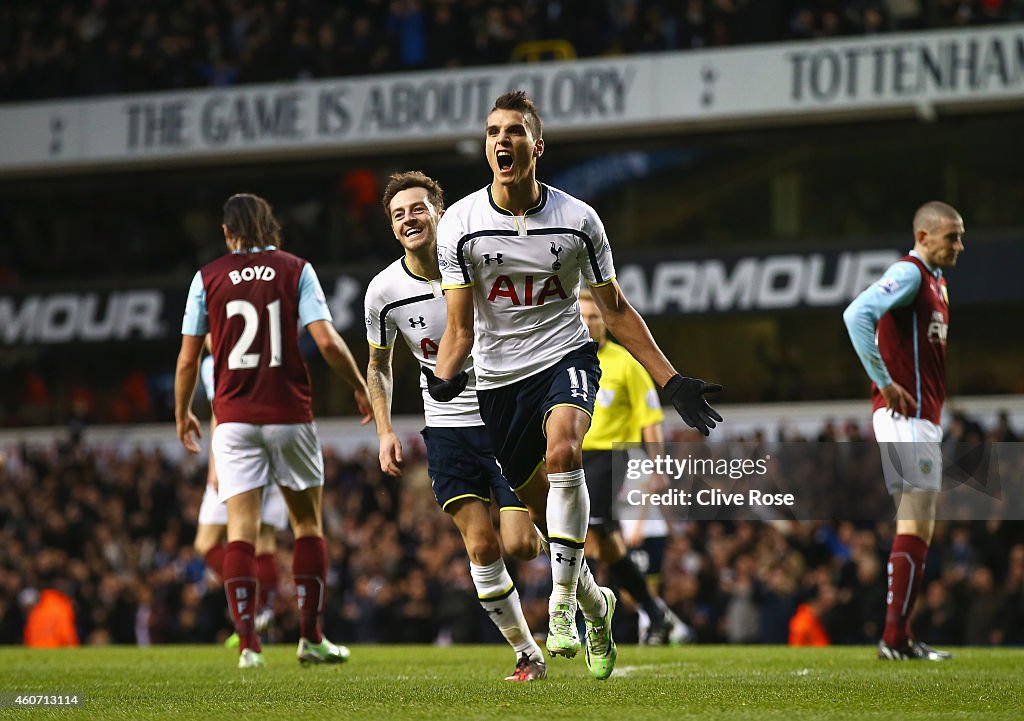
[
  {"x": 932, "y": 213},
  {"x": 519, "y": 101},
  {"x": 250, "y": 219},
  {"x": 397, "y": 182}
]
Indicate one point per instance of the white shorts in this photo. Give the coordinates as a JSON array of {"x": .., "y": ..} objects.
[
  {"x": 275, "y": 511},
  {"x": 251, "y": 456},
  {"x": 911, "y": 452}
]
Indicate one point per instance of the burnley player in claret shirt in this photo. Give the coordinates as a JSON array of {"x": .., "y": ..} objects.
[
  {"x": 252, "y": 301},
  {"x": 899, "y": 328}
]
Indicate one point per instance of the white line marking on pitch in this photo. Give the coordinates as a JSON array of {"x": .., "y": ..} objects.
[{"x": 627, "y": 670}]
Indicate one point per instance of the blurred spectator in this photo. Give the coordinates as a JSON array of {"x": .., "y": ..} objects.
[
  {"x": 693, "y": 27},
  {"x": 641, "y": 32},
  {"x": 940, "y": 621},
  {"x": 1015, "y": 598},
  {"x": 407, "y": 27},
  {"x": 444, "y": 38},
  {"x": 51, "y": 622},
  {"x": 806, "y": 628},
  {"x": 852, "y": 431},
  {"x": 742, "y": 618},
  {"x": 964, "y": 429},
  {"x": 858, "y": 601},
  {"x": 958, "y": 555},
  {"x": 984, "y": 610},
  {"x": 1003, "y": 431},
  {"x": 904, "y": 14}
]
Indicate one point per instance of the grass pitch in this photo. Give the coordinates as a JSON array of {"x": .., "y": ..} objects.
[{"x": 464, "y": 683}]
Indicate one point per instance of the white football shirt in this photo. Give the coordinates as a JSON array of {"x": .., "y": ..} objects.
[
  {"x": 398, "y": 301},
  {"x": 525, "y": 272}
]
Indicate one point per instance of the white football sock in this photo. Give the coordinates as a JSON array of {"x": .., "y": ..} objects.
[
  {"x": 545, "y": 547},
  {"x": 568, "y": 513},
  {"x": 589, "y": 595},
  {"x": 500, "y": 599}
]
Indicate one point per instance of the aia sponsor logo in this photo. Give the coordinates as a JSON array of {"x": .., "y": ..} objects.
[{"x": 531, "y": 292}]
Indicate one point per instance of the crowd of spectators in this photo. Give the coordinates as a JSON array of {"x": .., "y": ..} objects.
[
  {"x": 60, "y": 48},
  {"x": 112, "y": 530}
]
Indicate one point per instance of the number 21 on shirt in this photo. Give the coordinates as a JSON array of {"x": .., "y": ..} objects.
[{"x": 240, "y": 358}]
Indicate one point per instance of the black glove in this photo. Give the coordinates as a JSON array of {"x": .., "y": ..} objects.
[
  {"x": 687, "y": 395},
  {"x": 444, "y": 391}
]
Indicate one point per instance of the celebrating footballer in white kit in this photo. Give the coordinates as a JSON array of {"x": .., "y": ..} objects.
[
  {"x": 512, "y": 256},
  {"x": 406, "y": 299}
]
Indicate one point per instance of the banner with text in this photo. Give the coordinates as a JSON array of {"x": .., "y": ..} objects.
[
  {"x": 663, "y": 287},
  {"x": 794, "y": 82}
]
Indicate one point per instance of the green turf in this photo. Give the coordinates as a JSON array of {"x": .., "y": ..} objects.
[{"x": 463, "y": 683}]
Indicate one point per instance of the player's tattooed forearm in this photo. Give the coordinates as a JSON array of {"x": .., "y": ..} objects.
[
  {"x": 378, "y": 373},
  {"x": 378, "y": 382}
]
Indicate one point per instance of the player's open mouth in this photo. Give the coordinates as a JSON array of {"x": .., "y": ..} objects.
[
  {"x": 505, "y": 160},
  {"x": 413, "y": 232}
]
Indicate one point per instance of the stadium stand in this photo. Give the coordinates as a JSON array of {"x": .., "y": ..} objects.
[
  {"x": 112, "y": 530},
  {"x": 61, "y": 48}
]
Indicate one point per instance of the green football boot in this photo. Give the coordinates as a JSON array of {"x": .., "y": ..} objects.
[
  {"x": 323, "y": 652},
  {"x": 600, "y": 646},
  {"x": 563, "y": 638},
  {"x": 250, "y": 659}
]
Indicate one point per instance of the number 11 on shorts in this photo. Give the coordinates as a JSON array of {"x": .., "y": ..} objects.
[{"x": 577, "y": 383}]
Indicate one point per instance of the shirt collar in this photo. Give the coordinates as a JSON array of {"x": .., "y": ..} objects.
[
  {"x": 240, "y": 251},
  {"x": 405, "y": 267},
  {"x": 532, "y": 211},
  {"x": 936, "y": 272}
]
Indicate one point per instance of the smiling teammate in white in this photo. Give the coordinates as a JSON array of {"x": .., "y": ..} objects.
[
  {"x": 514, "y": 252},
  {"x": 406, "y": 299}
]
